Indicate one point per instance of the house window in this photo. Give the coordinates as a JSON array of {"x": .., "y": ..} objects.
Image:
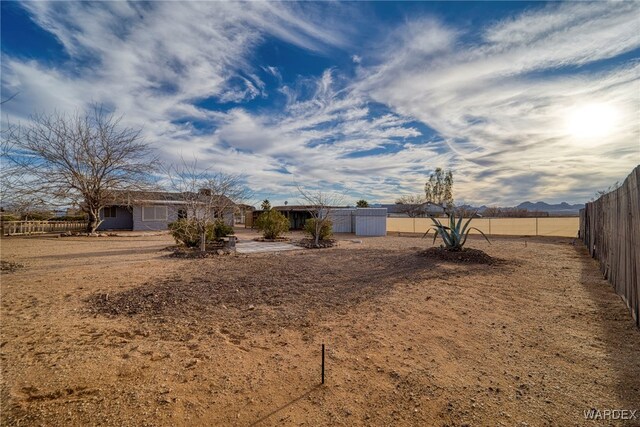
[
  {"x": 109, "y": 212},
  {"x": 182, "y": 214},
  {"x": 154, "y": 213}
]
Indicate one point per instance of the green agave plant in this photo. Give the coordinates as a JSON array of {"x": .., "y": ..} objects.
[{"x": 455, "y": 235}]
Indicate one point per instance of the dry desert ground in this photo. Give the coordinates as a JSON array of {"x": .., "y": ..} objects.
[{"x": 113, "y": 331}]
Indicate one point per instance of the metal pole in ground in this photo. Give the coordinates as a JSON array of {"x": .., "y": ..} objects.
[{"x": 323, "y": 363}]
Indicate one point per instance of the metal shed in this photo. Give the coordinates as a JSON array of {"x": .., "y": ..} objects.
[
  {"x": 371, "y": 222},
  {"x": 343, "y": 220},
  {"x": 362, "y": 221}
]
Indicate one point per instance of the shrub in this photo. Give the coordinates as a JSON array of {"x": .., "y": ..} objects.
[
  {"x": 272, "y": 224},
  {"x": 455, "y": 235},
  {"x": 70, "y": 218},
  {"x": 185, "y": 232},
  {"x": 220, "y": 230},
  {"x": 325, "y": 229},
  {"x": 188, "y": 232}
]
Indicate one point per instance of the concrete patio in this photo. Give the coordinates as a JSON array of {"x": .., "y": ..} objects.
[{"x": 252, "y": 246}]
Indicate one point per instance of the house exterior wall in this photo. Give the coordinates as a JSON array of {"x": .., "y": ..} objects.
[
  {"x": 229, "y": 218},
  {"x": 297, "y": 219},
  {"x": 140, "y": 225},
  {"x": 172, "y": 215},
  {"x": 122, "y": 221}
]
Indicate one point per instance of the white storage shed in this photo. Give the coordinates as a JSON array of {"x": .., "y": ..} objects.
[{"x": 362, "y": 221}]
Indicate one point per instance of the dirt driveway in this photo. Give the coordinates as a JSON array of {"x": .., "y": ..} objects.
[{"x": 112, "y": 331}]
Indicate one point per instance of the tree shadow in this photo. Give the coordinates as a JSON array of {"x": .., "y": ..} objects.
[{"x": 290, "y": 291}]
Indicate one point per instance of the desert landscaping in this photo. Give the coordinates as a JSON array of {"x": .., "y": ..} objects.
[
  {"x": 116, "y": 331},
  {"x": 313, "y": 213}
]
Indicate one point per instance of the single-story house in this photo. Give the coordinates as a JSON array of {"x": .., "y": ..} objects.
[
  {"x": 297, "y": 215},
  {"x": 419, "y": 210},
  {"x": 362, "y": 221},
  {"x": 242, "y": 213},
  {"x": 152, "y": 210}
]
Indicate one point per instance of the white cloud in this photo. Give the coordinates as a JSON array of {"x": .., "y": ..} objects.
[
  {"x": 498, "y": 103},
  {"x": 152, "y": 62},
  {"x": 138, "y": 56},
  {"x": 507, "y": 125}
]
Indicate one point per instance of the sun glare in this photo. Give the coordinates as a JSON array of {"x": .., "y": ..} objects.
[{"x": 592, "y": 121}]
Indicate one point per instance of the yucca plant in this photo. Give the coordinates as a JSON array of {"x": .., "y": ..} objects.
[{"x": 455, "y": 235}]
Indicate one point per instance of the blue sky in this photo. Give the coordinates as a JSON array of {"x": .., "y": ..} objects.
[{"x": 523, "y": 101}]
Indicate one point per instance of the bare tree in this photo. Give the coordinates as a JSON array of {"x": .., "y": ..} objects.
[
  {"x": 412, "y": 205},
  {"x": 80, "y": 158},
  {"x": 465, "y": 212},
  {"x": 498, "y": 212},
  {"x": 9, "y": 173},
  {"x": 319, "y": 205},
  {"x": 14, "y": 196},
  {"x": 11, "y": 176},
  {"x": 4, "y": 101},
  {"x": 207, "y": 197},
  {"x": 492, "y": 211}
]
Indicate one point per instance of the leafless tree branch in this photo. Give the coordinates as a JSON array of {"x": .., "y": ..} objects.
[
  {"x": 319, "y": 205},
  {"x": 9, "y": 98},
  {"x": 78, "y": 158},
  {"x": 207, "y": 196}
]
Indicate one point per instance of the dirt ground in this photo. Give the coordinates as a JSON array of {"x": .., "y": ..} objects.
[{"x": 113, "y": 331}]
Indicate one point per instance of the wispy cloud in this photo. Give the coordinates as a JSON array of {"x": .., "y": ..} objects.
[
  {"x": 159, "y": 57},
  {"x": 497, "y": 105},
  {"x": 501, "y": 103},
  {"x": 314, "y": 137}
]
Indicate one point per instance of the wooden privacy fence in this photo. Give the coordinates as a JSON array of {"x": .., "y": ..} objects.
[
  {"x": 10, "y": 228},
  {"x": 610, "y": 227},
  {"x": 560, "y": 227}
]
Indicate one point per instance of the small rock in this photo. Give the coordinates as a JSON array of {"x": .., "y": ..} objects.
[
  {"x": 220, "y": 252},
  {"x": 252, "y": 307}
]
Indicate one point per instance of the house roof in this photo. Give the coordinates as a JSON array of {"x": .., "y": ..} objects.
[
  {"x": 426, "y": 207},
  {"x": 246, "y": 206},
  {"x": 305, "y": 208},
  {"x": 165, "y": 197},
  {"x": 294, "y": 208},
  {"x": 297, "y": 208}
]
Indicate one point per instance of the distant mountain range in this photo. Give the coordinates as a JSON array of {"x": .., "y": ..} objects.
[
  {"x": 563, "y": 208},
  {"x": 546, "y": 207}
]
